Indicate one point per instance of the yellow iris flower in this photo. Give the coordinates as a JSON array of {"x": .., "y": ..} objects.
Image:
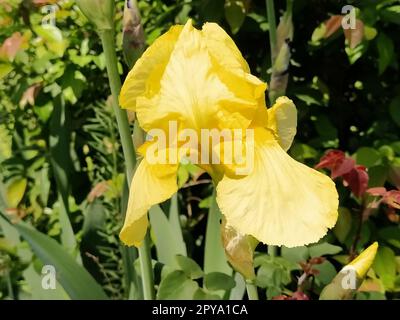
[{"x": 200, "y": 79}]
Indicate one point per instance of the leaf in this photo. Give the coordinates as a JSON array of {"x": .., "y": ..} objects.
[
  {"x": 343, "y": 224},
  {"x": 15, "y": 192},
  {"x": 385, "y": 266},
  {"x": 34, "y": 280},
  {"x": 356, "y": 180},
  {"x": 167, "y": 241},
  {"x": 337, "y": 162},
  {"x": 326, "y": 272},
  {"x": 11, "y": 46},
  {"x": 296, "y": 254},
  {"x": 377, "y": 176},
  {"x": 235, "y": 13},
  {"x": 216, "y": 281},
  {"x": 332, "y": 25},
  {"x": 354, "y": 36},
  {"x": 177, "y": 286},
  {"x": 394, "y": 110},
  {"x": 391, "y": 14},
  {"x": 70, "y": 275},
  {"x": 201, "y": 294},
  {"x": 385, "y": 51},
  {"x": 61, "y": 163},
  {"x": 367, "y": 157},
  {"x": 5, "y": 69},
  {"x": 319, "y": 250},
  {"x": 189, "y": 266},
  {"x": 369, "y": 33},
  {"x": 175, "y": 221},
  {"x": 53, "y": 38},
  {"x": 214, "y": 254}
]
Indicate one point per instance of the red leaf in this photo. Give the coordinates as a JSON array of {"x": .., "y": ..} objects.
[
  {"x": 11, "y": 46},
  {"x": 355, "y": 36},
  {"x": 332, "y": 25},
  {"x": 29, "y": 95},
  {"x": 98, "y": 190},
  {"x": 392, "y": 199},
  {"x": 357, "y": 180},
  {"x": 337, "y": 162},
  {"x": 378, "y": 191}
]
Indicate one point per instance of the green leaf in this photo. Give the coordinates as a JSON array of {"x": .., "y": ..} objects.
[
  {"x": 326, "y": 272},
  {"x": 61, "y": 163},
  {"x": 177, "y": 286},
  {"x": 5, "y": 69},
  {"x": 189, "y": 266},
  {"x": 201, "y": 294},
  {"x": 385, "y": 51},
  {"x": 214, "y": 253},
  {"x": 394, "y": 110},
  {"x": 391, "y": 235},
  {"x": 215, "y": 281},
  {"x": 15, "y": 192},
  {"x": 391, "y": 14},
  {"x": 377, "y": 176},
  {"x": 53, "y": 38},
  {"x": 34, "y": 280},
  {"x": 235, "y": 13},
  {"x": 385, "y": 266},
  {"x": 343, "y": 224},
  {"x": 175, "y": 222},
  {"x": 75, "y": 280},
  {"x": 168, "y": 242},
  {"x": 296, "y": 254},
  {"x": 319, "y": 250},
  {"x": 367, "y": 157}
]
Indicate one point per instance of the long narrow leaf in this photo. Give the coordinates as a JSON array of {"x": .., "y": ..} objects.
[{"x": 75, "y": 280}]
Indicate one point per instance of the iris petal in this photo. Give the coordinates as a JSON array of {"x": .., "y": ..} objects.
[
  {"x": 151, "y": 184},
  {"x": 200, "y": 80},
  {"x": 282, "y": 201}
]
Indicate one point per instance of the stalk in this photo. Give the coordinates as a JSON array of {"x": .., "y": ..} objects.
[
  {"x": 107, "y": 40},
  {"x": 272, "y": 43},
  {"x": 251, "y": 291},
  {"x": 272, "y": 28}
]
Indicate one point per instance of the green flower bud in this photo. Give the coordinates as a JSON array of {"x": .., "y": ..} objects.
[{"x": 98, "y": 12}]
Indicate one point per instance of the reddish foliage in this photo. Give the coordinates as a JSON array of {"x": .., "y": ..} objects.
[
  {"x": 391, "y": 198},
  {"x": 356, "y": 180},
  {"x": 332, "y": 25},
  {"x": 354, "y": 176},
  {"x": 11, "y": 46},
  {"x": 298, "y": 295}
]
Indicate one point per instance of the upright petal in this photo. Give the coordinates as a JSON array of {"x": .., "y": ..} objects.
[
  {"x": 204, "y": 83},
  {"x": 282, "y": 201},
  {"x": 144, "y": 78},
  {"x": 151, "y": 184}
]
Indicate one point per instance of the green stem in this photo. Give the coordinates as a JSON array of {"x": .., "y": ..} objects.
[
  {"x": 147, "y": 268},
  {"x": 252, "y": 292},
  {"x": 107, "y": 39},
  {"x": 272, "y": 29},
  {"x": 272, "y": 251}
]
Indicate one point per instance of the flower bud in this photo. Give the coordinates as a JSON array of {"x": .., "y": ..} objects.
[{"x": 98, "y": 12}]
